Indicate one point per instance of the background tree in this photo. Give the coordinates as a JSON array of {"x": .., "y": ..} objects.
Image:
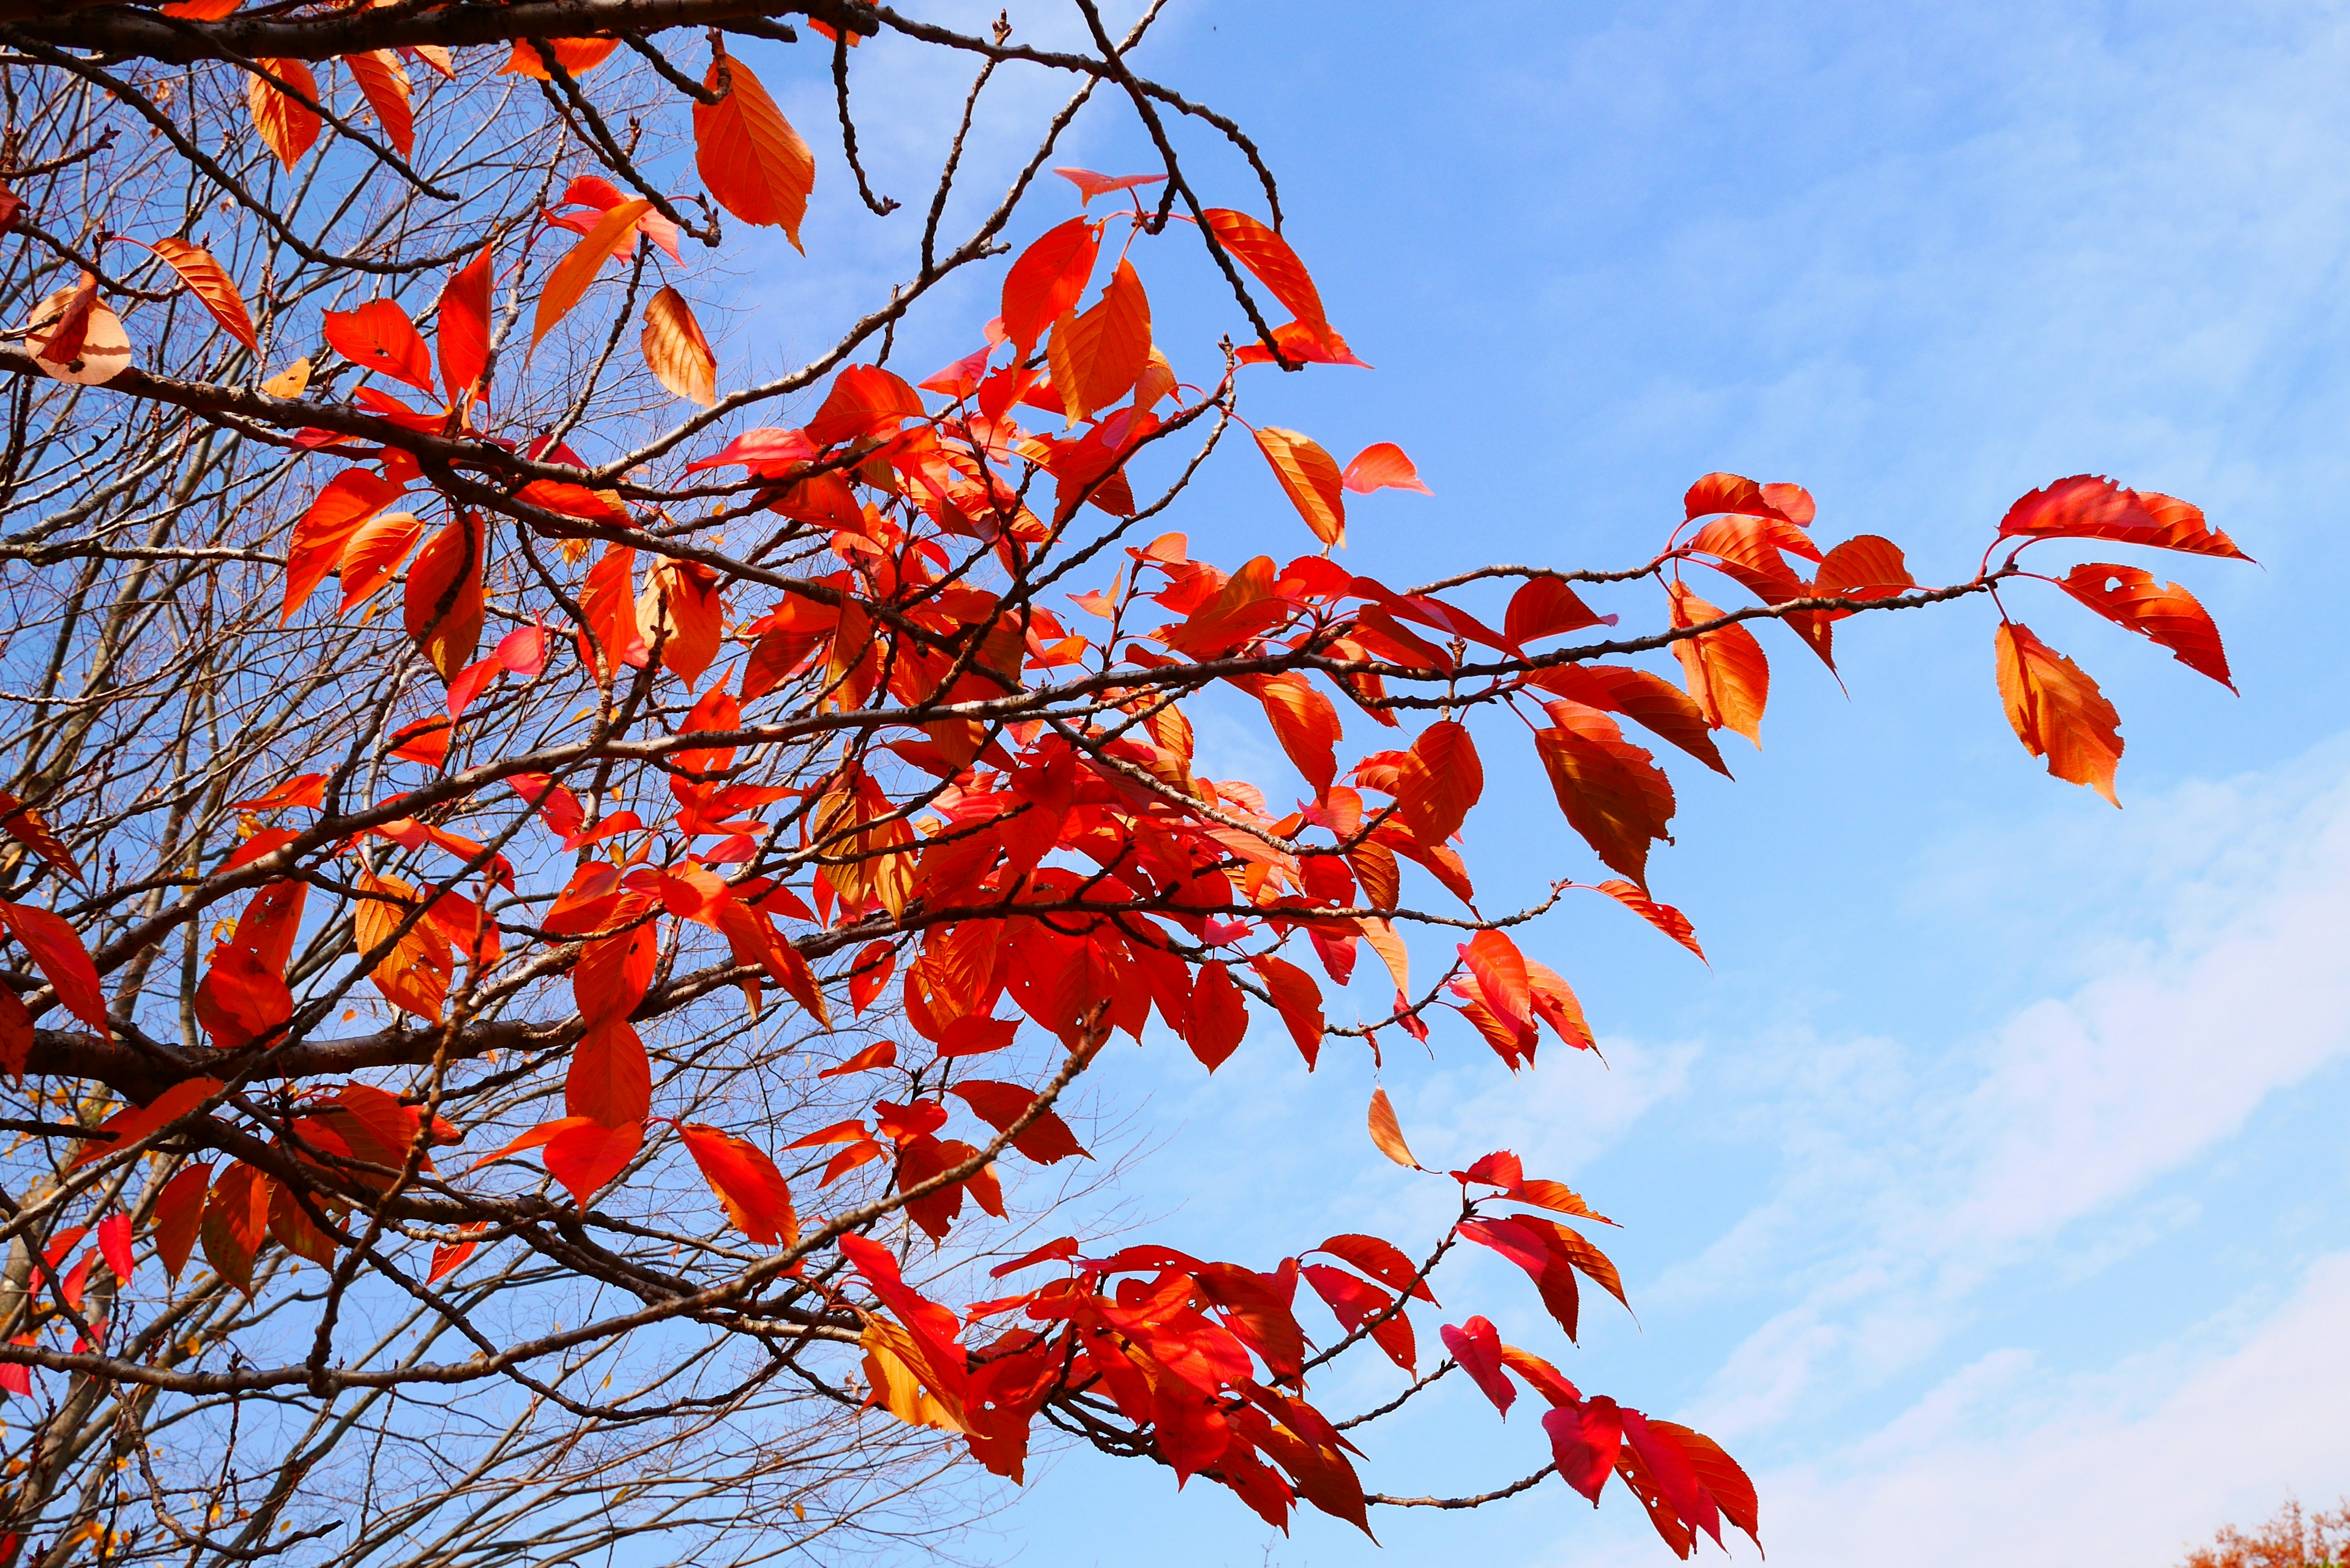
[
  {"x": 508, "y": 884},
  {"x": 2289, "y": 1538}
]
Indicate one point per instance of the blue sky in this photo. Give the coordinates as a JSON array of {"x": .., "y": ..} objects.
[{"x": 1988, "y": 1195}]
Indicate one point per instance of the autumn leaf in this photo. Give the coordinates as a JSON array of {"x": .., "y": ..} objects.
[
  {"x": 2165, "y": 614},
  {"x": 675, "y": 350},
  {"x": 1310, "y": 477},
  {"x": 1047, "y": 279},
  {"x": 1438, "y": 780},
  {"x": 288, "y": 128},
  {"x": 1664, "y": 917},
  {"x": 748, "y": 1185},
  {"x": 384, "y": 82},
  {"x": 2087, "y": 507},
  {"x": 211, "y": 286},
  {"x": 444, "y": 610},
  {"x": 58, "y": 953},
  {"x": 1611, "y": 791},
  {"x": 1091, "y": 184},
  {"x": 464, "y": 330},
  {"x": 1386, "y": 1133},
  {"x": 751, "y": 161},
  {"x": 1729, "y": 675},
  {"x": 577, "y": 269},
  {"x": 1383, "y": 466},
  {"x": 2057, "y": 711},
  {"x": 290, "y": 382},
  {"x": 25, "y": 824},
  {"x": 1096, "y": 357},
  {"x": 379, "y": 337},
  {"x": 1268, "y": 256}
]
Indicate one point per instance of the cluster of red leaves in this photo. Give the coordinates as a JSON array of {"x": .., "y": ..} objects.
[{"x": 1077, "y": 864}]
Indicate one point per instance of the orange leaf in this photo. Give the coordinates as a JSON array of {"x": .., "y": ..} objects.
[
  {"x": 1388, "y": 1133},
  {"x": 413, "y": 972},
  {"x": 1865, "y": 567},
  {"x": 578, "y": 56},
  {"x": 379, "y": 337},
  {"x": 751, "y": 159},
  {"x": 211, "y": 284},
  {"x": 1298, "y": 1001},
  {"x": 464, "y": 330},
  {"x": 1383, "y": 466},
  {"x": 1091, "y": 184},
  {"x": 309, "y": 789},
  {"x": 1097, "y": 356},
  {"x": 747, "y": 1184},
  {"x": 1438, "y": 780},
  {"x": 675, "y": 350},
  {"x": 375, "y": 552},
  {"x": 201, "y": 10},
  {"x": 235, "y": 1223},
  {"x": 24, "y": 825},
  {"x": 610, "y": 1081},
  {"x": 384, "y": 80},
  {"x": 1047, "y": 279},
  {"x": 1268, "y": 256},
  {"x": 577, "y": 269},
  {"x": 58, "y": 953},
  {"x": 682, "y": 609},
  {"x": 614, "y": 972},
  {"x": 1310, "y": 476},
  {"x": 287, "y": 128},
  {"x": 1728, "y": 673},
  {"x": 865, "y": 401},
  {"x": 1736, "y": 496},
  {"x": 1045, "y": 1140},
  {"x": 1545, "y": 607},
  {"x": 1664, "y": 917},
  {"x": 2169, "y": 614},
  {"x": 326, "y": 530},
  {"x": 1611, "y": 791},
  {"x": 179, "y": 1210},
  {"x": 585, "y": 1155},
  {"x": 1646, "y": 700},
  {"x": 444, "y": 610},
  {"x": 1500, "y": 971},
  {"x": 1305, "y": 724},
  {"x": 2088, "y": 507},
  {"x": 2057, "y": 711}
]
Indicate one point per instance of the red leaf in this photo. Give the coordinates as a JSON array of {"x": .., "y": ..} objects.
[
  {"x": 1310, "y": 477},
  {"x": 1268, "y": 256},
  {"x": 307, "y": 789},
  {"x": 1728, "y": 674},
  {"x": 1219, "y": 1015},
  {"x": 384, "y": 80},
  {"x": 1093, "y": 184},
  {"x": 1583, "y": 1438},
  {"x": 1298, "y": 998},
  {"x": 746, "y": 1182},
  {"x": 1670, "y": 1468},
  {"x": 24, "y": 825},
  {"x": 210, "y": 283},
  {"x": 1478, "y": 1349},
  {"x": 749, "y": 156},
  {"x": 1500, "y": 971},
  {"x": 1383, "y": 1260},
  {"x": 1383, "y": 466},
  {"x": 1305, "y": 724},
  {"x": 1664, "y": 917},
  {"x": 442, "y": 608},
  {"x": 323, "y": 530},
  {"x": 464, "y": 330},
  {"x": 587, "y": 1156},
  {"x": 2057, "y": 711},
  {"x": 379, "y": 336},
  {"x": 2087, "y": 507},
  {"x": 1047, "y": 1140},
  {"x": 1388, "y": 1133},
  {"x": 1718, "y": 493},
  {"x": 2169, "y": 614},
  {"x": 870, "y": 974},
  {"x": 609, "y": 1080},
  {"x": 1438, "y": 780},
  {"x": 114, "y": 1244},
  {"x": 179, "y": 1210},
  {"x": 1545, "y": 607},
  {"x": 1611, "y": 791},
  {"x": 1047, "y": 279},
  {"x": 57, "y": 950}
]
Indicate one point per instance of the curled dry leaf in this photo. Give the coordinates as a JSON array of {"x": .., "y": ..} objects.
[
  {"x": 103, "y": 351},
  {"x": 675, "y": 350}
]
